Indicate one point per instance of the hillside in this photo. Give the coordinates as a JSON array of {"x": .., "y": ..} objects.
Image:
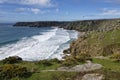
[
  {"x": 40, "y": 24},
  {"x": 94, "y": 25},
  {"x": 82, "y": 26},
  {"x": 97, "y": 44},
  {"x": 101, "y": 38}
]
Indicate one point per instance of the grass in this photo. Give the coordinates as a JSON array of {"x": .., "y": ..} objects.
[
  {"x": 35, "y": 65},
  {"x": 56, "y": 75},
  {"x": 108, "y": 64},
  {"x": 111, "y": 71},
  {"x": 104, "y": 38}
]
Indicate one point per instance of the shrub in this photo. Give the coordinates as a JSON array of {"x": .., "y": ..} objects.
[
  {"x": 45, "y": 62},
  {"x": 9, "y": 71},
  {"x": 70, "y": 61},
  {"x": 12, "y": 60},
  {"x": 55, "y": 60},
  {"x": 83, "y": 57},
  {"x": 115, "y": 57}
]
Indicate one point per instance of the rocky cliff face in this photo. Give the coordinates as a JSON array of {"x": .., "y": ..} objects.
[
  {"x": 97, "y": 43},
  {"x": 82, "y": 26},
  {"x": 94, "y": 25},
  {"x": 101, "y": 38}
]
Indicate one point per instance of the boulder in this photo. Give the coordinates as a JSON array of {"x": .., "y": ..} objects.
[{"x": 93, "y": 77}]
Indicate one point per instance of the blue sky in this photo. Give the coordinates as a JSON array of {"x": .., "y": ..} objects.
[{"x": 60, "y": 10}]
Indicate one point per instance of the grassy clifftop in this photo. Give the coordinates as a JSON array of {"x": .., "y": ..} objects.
[
  {"x": 94, "y": 25},
  {"x": 97, "y": 44},
  {"x": 101, "y": 38},
  {"x": 86, "y": 25}
]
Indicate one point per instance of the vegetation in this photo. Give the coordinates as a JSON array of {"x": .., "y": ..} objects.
[
  {"x": 83, "y": 57},
  {"x": 115, "y": 57},
  {"x": 97, "y": 44},
  {"x": 12, "y": 60},
  {"x": 9, "y": 71},
  {"x": 101, "y": 39},
  {"x": 48, "y": 62},
  {"x": 45, "y": 63},
  {"x": 69, "y": 61},
  {"x": 111, "y": 69},
  {"x": 108, "y": 64}
]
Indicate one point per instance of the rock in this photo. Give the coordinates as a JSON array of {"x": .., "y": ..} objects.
[
  {"x": 82, "y": 68},
  {"x": 87, "y": 67},
  {"x": 63, "y": 69},
  {"x": 92, "y": 77}
]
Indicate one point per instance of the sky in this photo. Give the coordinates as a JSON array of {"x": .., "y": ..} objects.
[{"x": 57, "y": 10}]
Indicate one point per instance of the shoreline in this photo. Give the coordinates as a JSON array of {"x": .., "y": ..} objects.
[{"x": 75, "y": 33}]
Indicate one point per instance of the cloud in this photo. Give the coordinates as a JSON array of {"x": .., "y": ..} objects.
[
  {"x": 107, "y": 11},
  {"x": 33, "y": 10},
  {"x": 43, "y": 3},
  {"x": 20, "y": 9}
]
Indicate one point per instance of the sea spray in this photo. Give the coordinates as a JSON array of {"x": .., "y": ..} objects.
[{"x": 45, "y": 45}]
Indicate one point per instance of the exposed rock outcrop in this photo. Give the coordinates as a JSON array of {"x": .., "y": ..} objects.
[
  {"x": 82, "y": 68},
  {"x": 93, "y": 77}
]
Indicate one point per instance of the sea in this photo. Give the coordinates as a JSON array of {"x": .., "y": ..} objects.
[{"x": 34, "y": 44}]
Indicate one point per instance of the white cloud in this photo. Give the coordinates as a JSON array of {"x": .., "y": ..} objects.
[
  {"x": 43, "y": 3},
  {"x": 20, "y": 9},
  {"x": 35, "y": 10},
  {"x": 106, "y": 11}
]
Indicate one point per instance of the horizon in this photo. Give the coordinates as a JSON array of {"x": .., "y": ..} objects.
[
  {"x": 60, "y": 21},
  {"x": 53, "y": 10}
]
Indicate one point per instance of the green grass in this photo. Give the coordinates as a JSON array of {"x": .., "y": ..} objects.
[
  {"x": 50, "y": 76},
  {"x": 104, "y": 38},
  {"x": 111, "y": 70},
  {"x": 35, "y": 65},
  {"x": 108, "y": 64}
]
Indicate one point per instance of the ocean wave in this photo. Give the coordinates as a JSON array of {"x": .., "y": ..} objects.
[{"x": 38, "y": 47}]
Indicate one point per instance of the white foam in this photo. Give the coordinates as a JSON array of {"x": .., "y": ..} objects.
[{"x": 46, "y": 46}]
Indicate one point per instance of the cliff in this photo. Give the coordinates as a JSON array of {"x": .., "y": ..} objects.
[
  {"x": 41, "y": 24},
  {"x": 82, "y": 26},
  {"x": 101, "y": 38},
  {"x": 93, "y": 25}
]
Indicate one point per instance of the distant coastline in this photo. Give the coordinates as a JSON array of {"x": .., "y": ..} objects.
[{"x": 82, "y": 26}]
